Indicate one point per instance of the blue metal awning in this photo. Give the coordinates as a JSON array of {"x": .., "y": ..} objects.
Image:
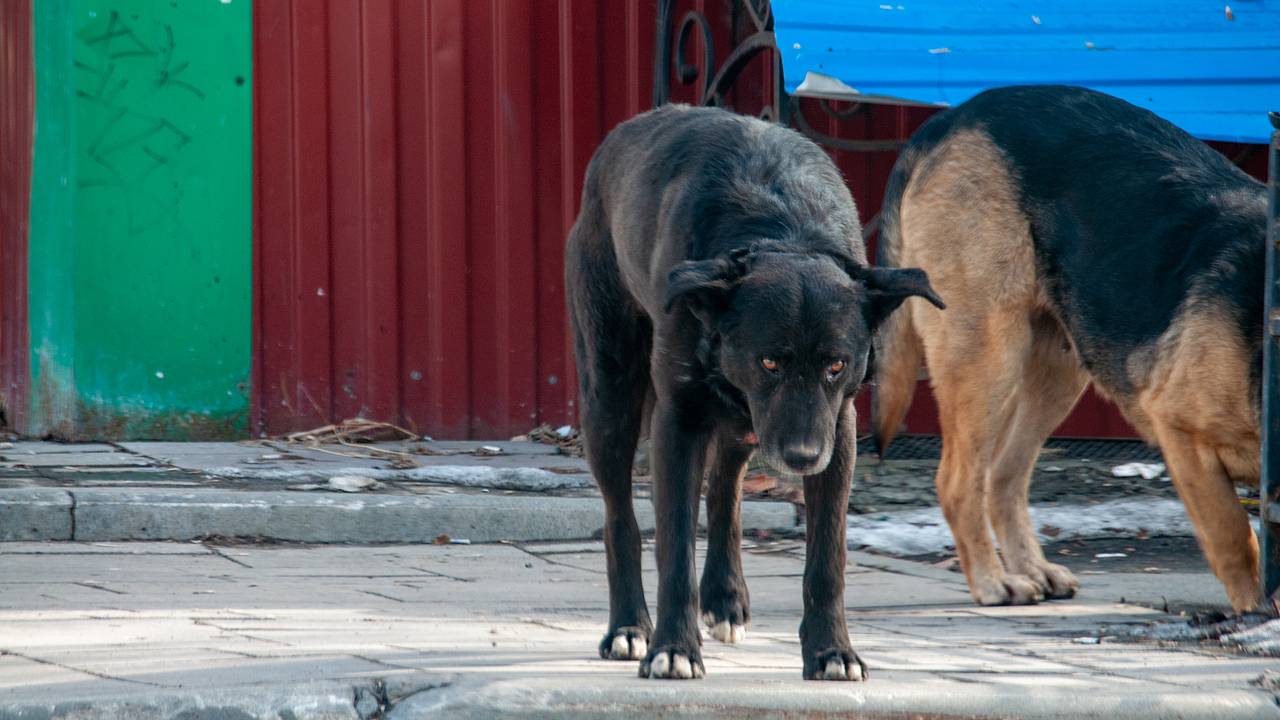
[{"x": 1212, "y": 68}]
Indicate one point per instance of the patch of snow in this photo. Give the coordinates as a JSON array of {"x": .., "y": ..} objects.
[
  {"x": 1263, "y": 639},
  {"x": 1146, "y": 471},
  {"x": 916, "y": 532},
  {"x": 352, "y": 483}
]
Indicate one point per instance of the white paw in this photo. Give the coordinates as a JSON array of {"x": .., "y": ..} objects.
[
  {"x": 724, "y": 631},
  {"x": 627, "y": 648},
  {"x": 673, "y": 666},
  {"x": 836, "y": 669}
]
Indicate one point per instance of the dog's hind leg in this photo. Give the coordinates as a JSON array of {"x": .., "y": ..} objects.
[
  {"x": 962, "y": 222},
  {"x": 1221, "y": 524},
  {"x": 725, "y": 604},
  {"x": 1051, "y": 383},
  {"x": 611, "y": 343},
  {"x": 977, "y": 398}
]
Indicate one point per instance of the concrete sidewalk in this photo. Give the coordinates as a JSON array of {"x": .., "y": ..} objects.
[
  {"x": 189, "y": 631},
  {"x": 480, "y": 492},
  {"x": 421, "y": 489}
]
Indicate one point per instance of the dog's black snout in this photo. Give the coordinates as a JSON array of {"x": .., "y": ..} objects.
[{"x": 801, "y": 457}]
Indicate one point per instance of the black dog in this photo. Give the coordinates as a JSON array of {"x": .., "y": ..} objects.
[{"x": 716, "y": 271}]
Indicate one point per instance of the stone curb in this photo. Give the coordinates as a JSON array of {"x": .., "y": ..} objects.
[
  {"x": 101, "y": 515},
  {"x": 35, "y": 514},
  {"x": 339, "y": 699},
  {"x": 608, "y": 699},
  {"x": 420, "y": 696}
]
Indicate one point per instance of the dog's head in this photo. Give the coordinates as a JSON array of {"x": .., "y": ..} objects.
[{"x": 793, "y": 332}]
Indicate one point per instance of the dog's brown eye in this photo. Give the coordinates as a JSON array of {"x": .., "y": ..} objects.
[
  {"x": 836, "y": 368},
  {"x": 769, "y": 364}
]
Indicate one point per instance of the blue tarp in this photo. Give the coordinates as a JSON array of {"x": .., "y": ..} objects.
[{"x": 1212, "y": 68}]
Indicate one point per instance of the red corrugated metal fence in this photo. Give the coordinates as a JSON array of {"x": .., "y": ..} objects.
[
  {"x": 418, "y": 164},
  {"x": 17, "y": 96}
]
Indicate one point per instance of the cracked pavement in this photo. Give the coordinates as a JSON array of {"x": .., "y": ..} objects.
[
  {"x": 104, "y": 615},
  {"x": 163, "y": 630}
]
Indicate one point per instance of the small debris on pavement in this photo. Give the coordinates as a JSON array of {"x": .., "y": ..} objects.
[
  {"x": 485, "y": 450},
  {"x": 952, "y": 563},
  {"x": 1087, "y": 641},
  {"x": 1146, "y": 471},
  {"x": 353, "y": 436},
  {"x": 1268, "y": 680},
  {"x": 565, "y": 437},
  {"x": 352, "y": 483},
  {"x": 1110, "y": 555},
  {"x": 759, "y": 483}
]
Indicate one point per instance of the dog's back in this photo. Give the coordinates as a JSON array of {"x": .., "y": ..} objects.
[
  {"x": 736, "y": 179},
  {"x": 1075, "y": 237}
]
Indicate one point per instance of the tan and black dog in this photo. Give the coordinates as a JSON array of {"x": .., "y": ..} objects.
[
  {"x": 1076, "y": 238},
  {"x": 716, "y": 271}
]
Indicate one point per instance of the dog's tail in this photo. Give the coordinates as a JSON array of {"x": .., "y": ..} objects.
[{"x": 898, "y": 353}]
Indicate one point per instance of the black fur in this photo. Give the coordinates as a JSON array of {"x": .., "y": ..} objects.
[
  {"x": 1130, "y": 216},
  {"x": 708, "y": 242}
]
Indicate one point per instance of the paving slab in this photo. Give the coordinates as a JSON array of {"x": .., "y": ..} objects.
[
  {"x": 33, "y": 447},
  {"x": 500, "y": 630},
  {"x": 103, "y": 548},
  {"x": 75, "y": 459}
]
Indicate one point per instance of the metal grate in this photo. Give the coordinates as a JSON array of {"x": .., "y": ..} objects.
[{"x": 929, "y": 447}]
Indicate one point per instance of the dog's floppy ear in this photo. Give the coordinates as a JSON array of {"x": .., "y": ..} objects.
[
  {"x": 889, "y": 287},
  {"x": 703, "y": 285}
]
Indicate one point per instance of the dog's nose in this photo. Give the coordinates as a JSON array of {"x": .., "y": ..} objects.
[{"x": 800, "y": 457}]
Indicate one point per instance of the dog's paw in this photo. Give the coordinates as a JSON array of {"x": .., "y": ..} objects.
[
  {"x": 836, "y": 664},
  {"x": 1055, "y": 582},
  {"x": 726, "y": 609},
  {"x": 625, "y": 643},
  {"x": 672, "y": 662},
  {"x": 1060, "y": 583},
  {"x": 1007, "y": 589},
  {"x": 724, "y": 630}
]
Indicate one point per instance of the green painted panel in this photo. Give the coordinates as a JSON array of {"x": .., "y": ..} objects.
[{"x": 140, "y": 263}]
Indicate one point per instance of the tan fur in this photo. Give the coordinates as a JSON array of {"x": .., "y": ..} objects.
[
  {"x": 1005, "y": 375},
  {"x": 1196, "y": 400},
  {"x": 900, "y": 356}
]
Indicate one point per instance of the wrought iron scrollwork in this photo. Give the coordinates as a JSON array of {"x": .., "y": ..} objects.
[
  {"x": 716, "y": 79},
  {"x": 753, "y": 20}
]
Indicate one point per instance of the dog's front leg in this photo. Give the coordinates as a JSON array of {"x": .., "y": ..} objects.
[
  {"x": 824, "y": 637},
  {"x": 679, "y": 452}
]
